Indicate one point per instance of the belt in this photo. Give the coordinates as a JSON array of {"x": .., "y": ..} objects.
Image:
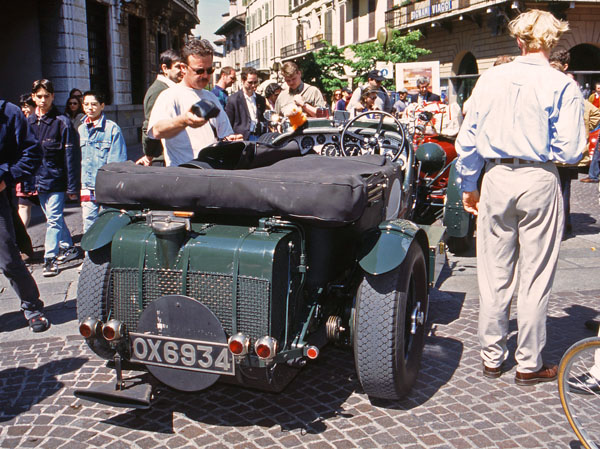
[{"x": 513, "y": 160}]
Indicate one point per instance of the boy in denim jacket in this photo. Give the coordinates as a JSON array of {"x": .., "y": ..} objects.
[{"x": 101, "y": 142}]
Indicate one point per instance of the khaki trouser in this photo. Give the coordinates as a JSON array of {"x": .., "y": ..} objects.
[{"x": 519, "y": 230}]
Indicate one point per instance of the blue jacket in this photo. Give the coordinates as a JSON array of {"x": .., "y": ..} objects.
[
  {"x": 99, "y": 145},
  {"x": 61, "y": 160},
  {"x": 20, "y": 154}
]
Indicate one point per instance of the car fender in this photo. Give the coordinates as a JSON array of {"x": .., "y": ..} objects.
[
  {"x": 385, "y": 247},
  {"x": 456, "y": 220},
  {"x": 104, "y": 228}
]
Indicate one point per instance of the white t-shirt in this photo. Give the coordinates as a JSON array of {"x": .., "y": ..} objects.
[{"x": 186, "y": 145}]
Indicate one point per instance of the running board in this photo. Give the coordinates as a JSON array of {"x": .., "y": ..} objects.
[{"x": 134, "y": 394}]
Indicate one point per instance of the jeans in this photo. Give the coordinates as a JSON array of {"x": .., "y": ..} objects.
[
  {"x": 13, "y": 266},
  {"x": 57, "y": 233},
  {"x": 89, "y": 212},
  {"x": 595, "y": 163}
]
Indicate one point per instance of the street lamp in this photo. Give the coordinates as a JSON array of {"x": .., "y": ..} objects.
[{"x": 384, "y": 36}]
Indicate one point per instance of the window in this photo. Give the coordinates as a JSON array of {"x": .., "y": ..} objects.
[
  {"x": 355, "y": 12},
  {"x": 97, "y": 21},
  {"x": 371, "y": 13},
  {"x": 342, "y": 24},
  {"x": 161, "y": 45},
  {"x": 136, "y": 59},
  {"x": 328, "y": 26}
]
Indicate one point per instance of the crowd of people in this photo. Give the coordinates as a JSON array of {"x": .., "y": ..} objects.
[{"x": 50, "y": 156}]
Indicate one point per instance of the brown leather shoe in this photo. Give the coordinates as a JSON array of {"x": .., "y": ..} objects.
[
  {"x": 492, "y": 373},
  {"x": 547, "y": 373},
  {"x": 588, "y": 179}
]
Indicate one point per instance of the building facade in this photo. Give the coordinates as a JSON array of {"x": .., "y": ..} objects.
[
  {"x": 107, "y": 45},
  {"x": 233, "y": 31},
  {"x": 466, "y": 36}
]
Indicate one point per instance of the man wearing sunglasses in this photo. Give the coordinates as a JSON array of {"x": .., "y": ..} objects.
[
  {"x": 182, "y": 132},
  {"x": 245, "y": 108}
]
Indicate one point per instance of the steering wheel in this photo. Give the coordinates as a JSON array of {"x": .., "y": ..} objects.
[{"x": 373, "y": 141}]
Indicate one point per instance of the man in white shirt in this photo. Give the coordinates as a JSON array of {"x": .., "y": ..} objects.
[
  {"x": 523, "y": 116},
  {"x": 183, "y": 133},
  {"x": 245, "y": 108}
]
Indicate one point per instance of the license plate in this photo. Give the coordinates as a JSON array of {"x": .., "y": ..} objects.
[{"x": 182, "y": 353}]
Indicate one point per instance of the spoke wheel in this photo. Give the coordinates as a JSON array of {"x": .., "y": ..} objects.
[
  {"x": 373, "y": 142},
  {"x": 389, "y": 324},
  {"x": 581, "y": 401}
]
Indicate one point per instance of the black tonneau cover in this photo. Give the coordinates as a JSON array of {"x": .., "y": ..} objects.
[{"x": 325, "y": 190}]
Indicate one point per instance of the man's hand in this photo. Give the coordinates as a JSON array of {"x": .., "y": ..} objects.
[
  {"x": 192, "y": 120},
  {"x": 232, "y": 137},
  {"x": 2, "y": 186},
  {"x": 144, "y": 160},
  {"x": 299, "y": 100},
  {"x": 72, "y": 196},
  {"x": 471, "y": 202}
]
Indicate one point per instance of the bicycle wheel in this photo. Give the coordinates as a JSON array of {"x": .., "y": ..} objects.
[{"x": 580, "y": 392}]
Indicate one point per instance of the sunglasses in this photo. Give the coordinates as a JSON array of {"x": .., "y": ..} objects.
[
  {"x": 208, "y": 71},
  {"x": 254, "y": 83}
]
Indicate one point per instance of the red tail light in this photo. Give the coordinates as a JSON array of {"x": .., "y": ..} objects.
[
  {"x": 90, "y": 328},
  {"x": 113, "y": 330},
  {"x": 239, "y": 344},
  {"x": 312, "y": 352},
  {"x": 266, "y": 347}
]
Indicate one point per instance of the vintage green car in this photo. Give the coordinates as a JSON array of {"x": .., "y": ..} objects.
[{"x": 243, "y": 264}]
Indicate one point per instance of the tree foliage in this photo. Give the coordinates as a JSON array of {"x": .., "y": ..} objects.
[
  {"x": 399, "y": 49},
  {"x": 325, "y": 67}
]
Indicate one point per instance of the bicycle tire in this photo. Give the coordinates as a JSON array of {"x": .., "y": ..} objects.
[{"x": 581, "y": 405}]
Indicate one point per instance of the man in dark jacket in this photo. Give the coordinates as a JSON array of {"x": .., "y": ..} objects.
[
  {"x": 424, "y": 95},
  {"x": 245, "y": 108},
  {"x": 58, "y": 176},
  {"x": 170, "y": 74},
  {"x": 20, "y": 156}
]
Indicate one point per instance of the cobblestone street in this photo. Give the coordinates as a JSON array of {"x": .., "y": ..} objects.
[{"x": 451, "y": 406}]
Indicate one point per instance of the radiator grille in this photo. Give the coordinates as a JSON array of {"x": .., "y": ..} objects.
[{"x": 214, "y": 290}]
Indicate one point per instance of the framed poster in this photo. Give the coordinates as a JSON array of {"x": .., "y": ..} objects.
[{"x": 407, "y": 74}]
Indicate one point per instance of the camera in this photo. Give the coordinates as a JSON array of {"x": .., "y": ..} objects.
[{"x": 205, "y": 109}]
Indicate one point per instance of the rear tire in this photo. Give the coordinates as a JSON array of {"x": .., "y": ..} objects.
[
  {"x": 387, "y": 355},
  {"x": 93, "y": 296}
]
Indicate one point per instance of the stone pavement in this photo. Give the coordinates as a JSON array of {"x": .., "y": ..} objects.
[{"x": 451, "y": 405}]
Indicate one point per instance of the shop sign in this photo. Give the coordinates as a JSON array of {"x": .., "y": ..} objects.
[
  {"x": 441, "y": 7},
  {"x": 432, "y": 9},
  {"x": 420, "y": 13}
]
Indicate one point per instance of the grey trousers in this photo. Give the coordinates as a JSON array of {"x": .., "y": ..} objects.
[{"x": 519, "y": 230}]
